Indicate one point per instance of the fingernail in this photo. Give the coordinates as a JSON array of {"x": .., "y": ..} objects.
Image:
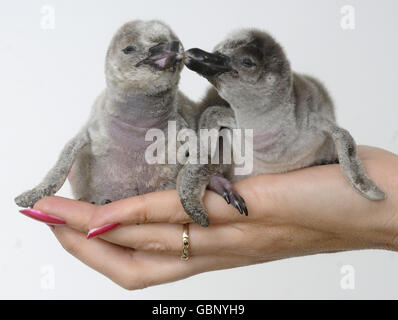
[
  {"x": 101, "y": 230},
  {"x": 43, "y": 217}
]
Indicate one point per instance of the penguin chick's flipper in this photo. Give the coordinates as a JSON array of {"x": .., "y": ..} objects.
[
  {"x": 224, "y": 188},
  {"x": 192, "y": 181},
  {"x": 350, "y": 164},
  {"x": 56, "y": 177}
]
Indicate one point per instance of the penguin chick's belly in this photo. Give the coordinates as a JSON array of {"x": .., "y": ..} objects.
[
  {"x": 313, "y": 150},
  {"x": 117, "y": 173}
]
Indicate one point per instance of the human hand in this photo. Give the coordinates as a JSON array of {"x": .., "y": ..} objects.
[{"x": 307, "y": 211}]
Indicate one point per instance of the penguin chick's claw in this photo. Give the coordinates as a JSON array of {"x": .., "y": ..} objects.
[{"x": 223, "y": 187}]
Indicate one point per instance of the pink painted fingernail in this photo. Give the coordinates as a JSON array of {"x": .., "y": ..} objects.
[
  {"x": 101, "y": 230},
  {"x": 43, "y": 217}
]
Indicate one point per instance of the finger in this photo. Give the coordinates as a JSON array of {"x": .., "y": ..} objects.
[
  {"x": 77, "y": 214},
  {"x": 106, "y": 258},
  {"x": 138, "y": 269},
  {"x": 165, "y": 206},
  {"x": 168, "y": 238},
  {"x": 240, "y": 239}
]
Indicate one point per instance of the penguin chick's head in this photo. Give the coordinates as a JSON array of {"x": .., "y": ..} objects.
[
  {"x": 144, "y": 56},
  {"x": 248, "y": 62}
]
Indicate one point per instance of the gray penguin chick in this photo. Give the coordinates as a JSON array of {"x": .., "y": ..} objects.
[
  {"x": 292, "y": 117},
  {"x": 105, "y": 160}
]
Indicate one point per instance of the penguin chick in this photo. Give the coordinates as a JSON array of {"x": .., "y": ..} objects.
[
  {"x": 105, "y": 160},
  {"x": 292, "y": 117}
]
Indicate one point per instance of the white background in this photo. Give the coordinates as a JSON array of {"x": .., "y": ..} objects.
[{"x": 49, "y": 80}]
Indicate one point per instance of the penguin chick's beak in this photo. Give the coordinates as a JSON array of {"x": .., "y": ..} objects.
[
  {"x": 207, "y": 64},
  {"x": 163, "y": 56}
]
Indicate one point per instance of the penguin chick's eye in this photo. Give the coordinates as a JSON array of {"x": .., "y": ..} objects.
[
  {"x": 128, "y": 50},
  {"x": 248, "y": 63}
]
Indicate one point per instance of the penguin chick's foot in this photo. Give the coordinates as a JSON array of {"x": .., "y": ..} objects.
[{"x": 224, "y": 188}]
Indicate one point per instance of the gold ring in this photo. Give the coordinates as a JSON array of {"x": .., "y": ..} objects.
[{"x": 185, "y": 242}]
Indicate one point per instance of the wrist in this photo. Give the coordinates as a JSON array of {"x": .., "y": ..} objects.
[{"x": 383, "y": 233}]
